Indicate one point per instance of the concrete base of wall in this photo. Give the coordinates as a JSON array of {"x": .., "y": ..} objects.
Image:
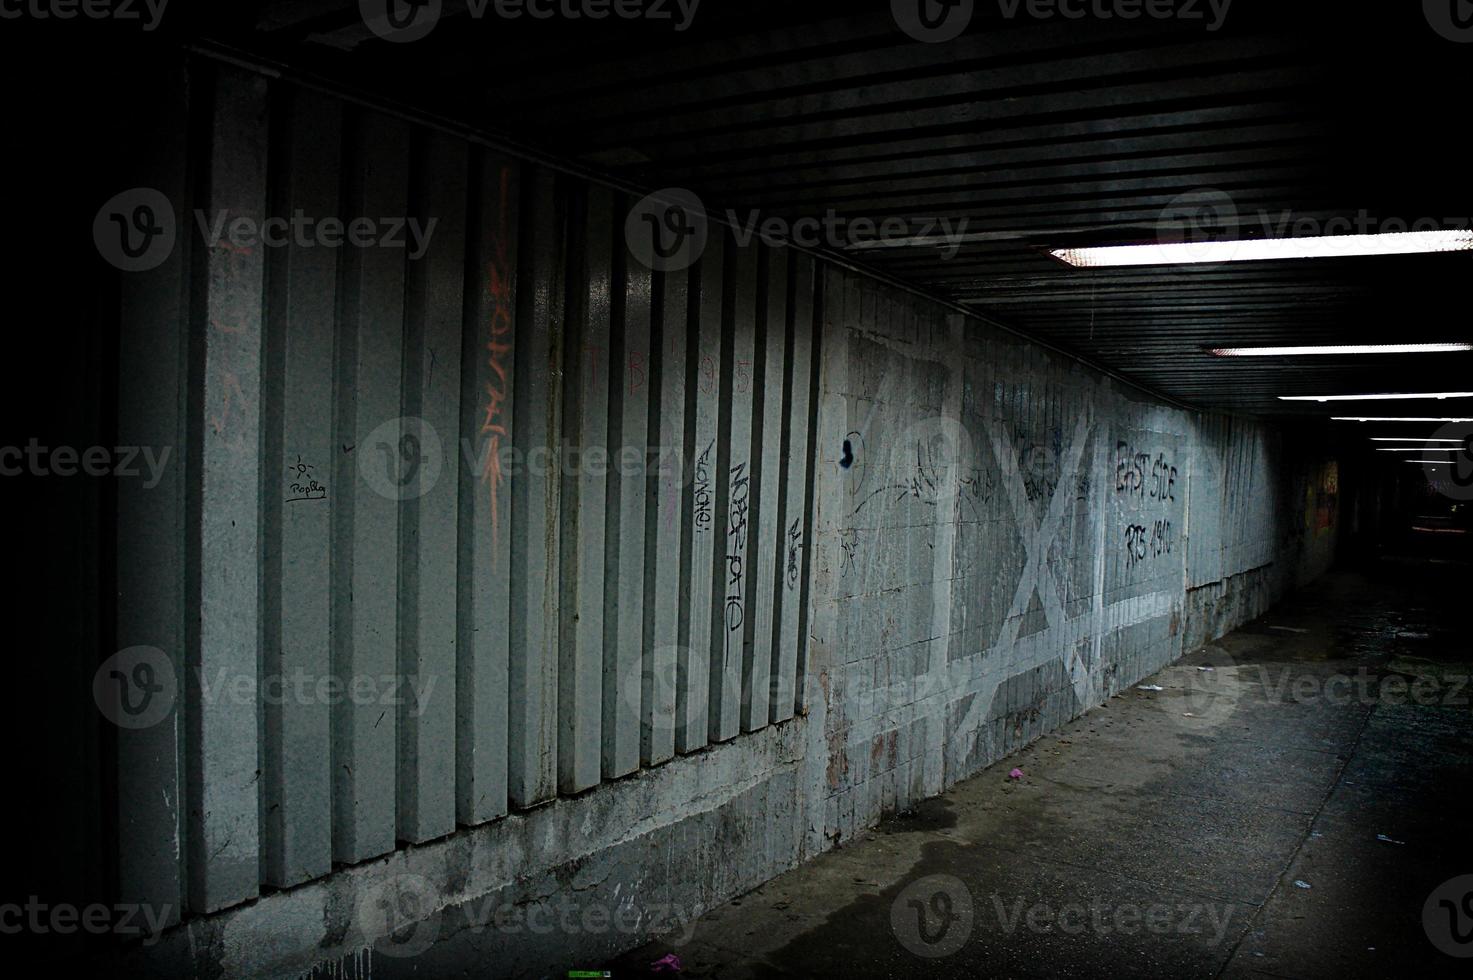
[
  {"x": 1216, "y": 609},
  {"x": 579, "y": 879}
]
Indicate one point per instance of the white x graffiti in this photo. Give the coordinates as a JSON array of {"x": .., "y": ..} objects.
[{"x": 1038, "y": 538}]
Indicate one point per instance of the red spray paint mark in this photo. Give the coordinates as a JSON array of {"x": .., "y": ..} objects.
[
  {"x": 636, "y": 371},
  {"x": 231, "y": 385},
  {"x": 498, "y": 346}
]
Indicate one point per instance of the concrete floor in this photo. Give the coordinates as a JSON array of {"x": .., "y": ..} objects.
[{"x": 1226, "y": 826}]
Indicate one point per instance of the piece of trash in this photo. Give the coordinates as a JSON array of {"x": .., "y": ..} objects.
[
  {"x": 1187, "y": 714},
  {"x": 1302, "y": 884},
  {"x": 1150, "y": 687},
  {"x": 1413, "y": 636},
  {"x": 669, "y": 963},
  {"x": 1206, "y": 668},
  {"x": 1387, "y": 840},
  {"x": 1288, "y": 629},
  {"x": 1016, "y": 774}
]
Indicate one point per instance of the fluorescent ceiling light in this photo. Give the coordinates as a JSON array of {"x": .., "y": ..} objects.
[
  {"x": 1266, "y": 249},
  {"x": 1439, "y": 395},
  {"x": 1341, "y": 349},
  {"x": 1421, "y": 449},
  {"x": 1383, "y": 418},
  {"x": 1434, "y": 461},
  {"x": 1407, "y": 439}
]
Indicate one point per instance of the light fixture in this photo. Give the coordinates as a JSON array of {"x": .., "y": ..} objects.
[
  {"x": 1421, "y": 449},
  {"x": 1407, "y": 439},
  {"x": 1439, "y": 395},
  {"x": 1340, "y": 349},
  {"x": 1266, "y": 249},
  {"x": 1383, "y": 418},
  {"x": 1436, "y": 462}
]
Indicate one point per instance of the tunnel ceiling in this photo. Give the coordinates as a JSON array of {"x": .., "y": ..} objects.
[{"x": 1036, "y": 132}]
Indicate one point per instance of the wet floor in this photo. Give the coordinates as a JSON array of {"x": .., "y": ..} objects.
[{"x": 1298, "y": 810}]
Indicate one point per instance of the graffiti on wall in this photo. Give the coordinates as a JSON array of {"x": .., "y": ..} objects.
[
  {"x": 302, "y": 482},
  {"x": 1146, "y": 489},
  {"x": 736, "y": 555},
  {"x": 498, "y": 349},
  {"x": 1322, "y": 500}
]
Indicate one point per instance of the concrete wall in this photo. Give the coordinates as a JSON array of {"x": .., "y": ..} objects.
[
  {"x": 1016, "y": 539},
  {"x": 897, "y": 545}
]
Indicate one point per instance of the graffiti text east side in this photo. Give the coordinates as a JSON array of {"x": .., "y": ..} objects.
[{"x": 1144, "y": 474}]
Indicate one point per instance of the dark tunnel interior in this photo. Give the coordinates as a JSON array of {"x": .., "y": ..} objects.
[{"x": 738, "y": 489}]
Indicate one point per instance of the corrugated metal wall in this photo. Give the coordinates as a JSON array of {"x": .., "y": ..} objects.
[
  {"x": 449, "y": 535},
  {"x": 1236, "y": 514}
]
